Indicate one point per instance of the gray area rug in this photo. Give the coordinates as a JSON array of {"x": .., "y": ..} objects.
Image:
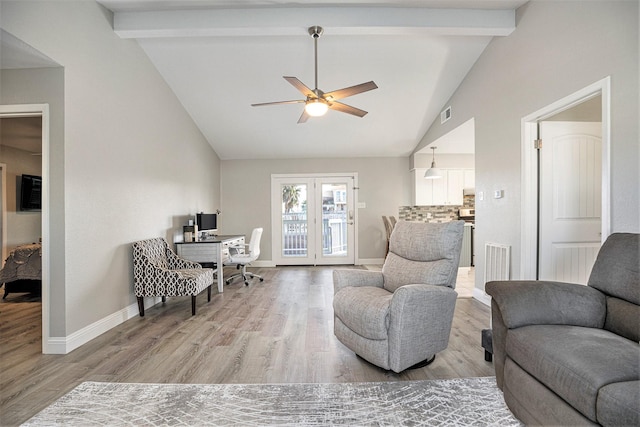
[{"x": 456, "y": 402}]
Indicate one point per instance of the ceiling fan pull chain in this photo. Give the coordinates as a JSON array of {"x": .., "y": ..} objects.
[
  {"x": 315, "y": 48},
  {"x": 315, "y": 32}
]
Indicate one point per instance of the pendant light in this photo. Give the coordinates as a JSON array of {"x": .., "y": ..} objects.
[{"x": 433, "y": 172}]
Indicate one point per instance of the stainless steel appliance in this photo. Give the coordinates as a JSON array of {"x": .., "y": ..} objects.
[{"x": 468, "y": 215}]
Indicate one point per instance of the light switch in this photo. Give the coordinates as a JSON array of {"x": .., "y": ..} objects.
[
  {"x": 498, "y": 194},
  {"x": 480, "y": 195},
  {"x": 362, "y": 205}
]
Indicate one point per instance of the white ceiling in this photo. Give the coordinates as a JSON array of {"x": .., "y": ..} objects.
[{"x": 220, "y": 56}]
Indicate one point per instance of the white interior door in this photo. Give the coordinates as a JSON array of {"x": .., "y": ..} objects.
[
  {"x": 313, "y": 219},
  {"x": 570, "y": 200}
]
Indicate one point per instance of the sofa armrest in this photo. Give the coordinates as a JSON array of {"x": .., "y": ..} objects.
[
  {"x": 524, "y": 302},
  {"x": 343, "y": 278}
]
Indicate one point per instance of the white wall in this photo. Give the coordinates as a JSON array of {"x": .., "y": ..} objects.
[
  {"x": 246, "y": 186},
  {"x": 135, "y": 164},
  {"x": 558, "y": 48}
]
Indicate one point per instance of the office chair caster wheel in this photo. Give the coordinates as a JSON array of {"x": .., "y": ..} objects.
[
  {"x": 261, "y": 279},
  {"x": 246, "y": 283}
]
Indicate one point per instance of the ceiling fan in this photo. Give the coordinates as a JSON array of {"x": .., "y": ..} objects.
[{"x": 318, "y": 102}]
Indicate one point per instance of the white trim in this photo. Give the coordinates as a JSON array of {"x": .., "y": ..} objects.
[
  {"x": 65, "y": 345},
  {"x": 369, "y": 261},
  {"x": 40, "y": 110},
  {"x": 3, "y": 238},
  {"x": 482, "y": 296},
  {"x": 263, "y": 263},
  {"x": 529, "y": 216}
]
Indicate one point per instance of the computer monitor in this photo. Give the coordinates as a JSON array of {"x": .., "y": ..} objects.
[{"x": 207, "y": 223}]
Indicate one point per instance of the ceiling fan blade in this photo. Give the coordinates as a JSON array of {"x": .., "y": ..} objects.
[
  {"x": 349, "y": 91},
  {"x": 300, "y": 86},
  {"x": 303, "y": 117},
  {"x": 297, "y": 101},
  {"x": 344, "y": 108}
]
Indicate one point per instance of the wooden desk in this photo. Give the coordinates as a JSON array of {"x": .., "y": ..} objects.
[{"x": 212, "y": 250}]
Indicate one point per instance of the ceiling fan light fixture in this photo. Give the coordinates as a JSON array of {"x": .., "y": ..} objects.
[
  {"x": 316, "y": 108},
  {"x": 433, "y": 172}
]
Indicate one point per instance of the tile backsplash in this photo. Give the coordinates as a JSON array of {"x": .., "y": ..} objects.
[{"x": 434, "y": 213}]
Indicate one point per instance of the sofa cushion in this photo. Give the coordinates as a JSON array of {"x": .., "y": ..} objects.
[
  {"x": 618, "y": 404},
  {"x": 399, "y": 272},
  {"x": 364, "y": 310},
  {"x": 623, "y": 318},
  {"x": 573, "y": 361}
]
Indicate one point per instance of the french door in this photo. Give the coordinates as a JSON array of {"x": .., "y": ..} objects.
[{"x": 313, "y": 219}]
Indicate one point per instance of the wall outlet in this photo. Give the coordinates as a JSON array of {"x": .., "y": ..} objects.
[{"x": 362, "y": 205}]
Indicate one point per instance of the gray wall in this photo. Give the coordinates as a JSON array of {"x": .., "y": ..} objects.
[
  {"x": 246, "y": 186},
  {"x": 131, "y": 165},
  {"x": 558, "y": 48}
]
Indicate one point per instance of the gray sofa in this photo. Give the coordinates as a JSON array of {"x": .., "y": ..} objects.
[{"x": 568, "y": 354}]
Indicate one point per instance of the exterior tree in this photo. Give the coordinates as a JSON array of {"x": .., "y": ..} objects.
[{"x": 290, "y": 197}]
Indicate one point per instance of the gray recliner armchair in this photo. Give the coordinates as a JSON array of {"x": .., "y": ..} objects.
[{"x": 401, "y": 317}]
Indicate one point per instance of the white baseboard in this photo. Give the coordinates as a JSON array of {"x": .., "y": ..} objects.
[
  {"x": 263, "y": 263},
  {"x": 64, "y": 345},
  {"x": 366, "y": 261},
  {"x": 482, "y": 296},
  {"x": 370, "y": 261}
]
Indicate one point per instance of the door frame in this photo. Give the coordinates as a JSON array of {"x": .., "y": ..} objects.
[
  {"x": 529, "y": 202},
  {"x": 3, "y": 210},
  {"x": 40, "y": 110},
  {"x": 274, "y": 219}
]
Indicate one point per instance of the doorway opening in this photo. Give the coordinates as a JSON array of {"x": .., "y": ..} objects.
[
  {"x": 565, "y": 219},
  {"x": 42, "y": 111}
]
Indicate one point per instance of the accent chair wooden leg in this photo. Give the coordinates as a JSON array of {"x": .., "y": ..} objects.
[
  {"x": 141, "y": 306},
  {"x": 164, "y": 299},
  {"x": 209, "y": 294},
  {"x": 193, "y": 305}
]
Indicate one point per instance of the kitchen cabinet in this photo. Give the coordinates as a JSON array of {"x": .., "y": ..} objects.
[{"x": 444, "y": 191}]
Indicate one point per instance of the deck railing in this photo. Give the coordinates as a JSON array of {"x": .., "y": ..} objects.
[{"x": 295, "y": 231}]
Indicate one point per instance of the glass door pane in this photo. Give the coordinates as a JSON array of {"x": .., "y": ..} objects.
[
  {"x": 336, "y": 214},
  {"x": 334, "y": 219},
  {"x": 295, "y": 225}
]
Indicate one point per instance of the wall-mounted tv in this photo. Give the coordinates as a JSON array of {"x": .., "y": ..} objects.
[{"x": 31, "y": 193}]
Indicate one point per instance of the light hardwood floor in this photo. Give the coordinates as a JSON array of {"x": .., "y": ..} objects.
[{"x": 277, "y": 331}]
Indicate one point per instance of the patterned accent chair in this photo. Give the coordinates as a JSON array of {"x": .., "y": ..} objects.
[
  {"x": 159, "y": 272},
  {"x": 401, "y": 317}
]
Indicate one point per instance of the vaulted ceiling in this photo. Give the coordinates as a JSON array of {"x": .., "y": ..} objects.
[{"x": 221, "y": 56}]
